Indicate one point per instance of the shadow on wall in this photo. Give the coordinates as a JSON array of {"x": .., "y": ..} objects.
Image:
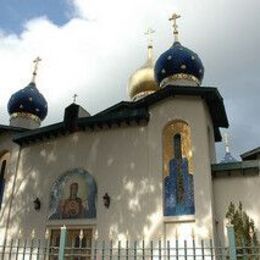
[
  {"x": 4, "y": 167},
  {"x": 136, "y": 198},
  {"x": 226, "y": 190}
]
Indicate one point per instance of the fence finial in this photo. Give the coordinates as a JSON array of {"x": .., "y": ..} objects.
[
  {"x": 81, "y": 234},
  {"x": 33, "y": 234},
  {"x": 47, "y": 234},
  {"x": 63, "y": 227},
  {"x": 193, "y": 233}
]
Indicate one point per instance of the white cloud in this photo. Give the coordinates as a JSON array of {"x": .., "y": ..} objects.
[
  {"x": 96, "y": 51},
  {"x": 89, "y": 55}
]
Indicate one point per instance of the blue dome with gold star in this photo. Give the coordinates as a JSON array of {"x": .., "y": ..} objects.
[
  {"x": 179, "y": 62},
  {"x": 28, "y": 100}
]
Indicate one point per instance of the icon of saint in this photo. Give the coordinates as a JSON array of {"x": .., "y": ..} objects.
[{"x": 72, "y": 207}]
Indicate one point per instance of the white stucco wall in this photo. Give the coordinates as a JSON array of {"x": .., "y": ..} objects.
[
  {"x": 126, "y": 163},
  {"x": 234, "y": 189}
]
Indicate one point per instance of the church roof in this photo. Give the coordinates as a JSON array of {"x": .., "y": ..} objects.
[
  {"x": 242, "y": 168},
  {"x": 7, "y": 128},
  {"x": 251, "y": 155},
  {"x": 138, "y": 112}
]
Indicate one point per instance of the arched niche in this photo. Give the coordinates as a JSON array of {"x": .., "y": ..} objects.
[
  {"x": 178, "y": 169},
  {"x": 73, "y": 196}
]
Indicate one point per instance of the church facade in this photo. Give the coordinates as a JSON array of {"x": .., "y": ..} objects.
[{"x": 141, "y": 169}]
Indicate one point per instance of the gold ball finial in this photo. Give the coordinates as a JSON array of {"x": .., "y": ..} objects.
[
  {"x": 36, "y": 64},
  {"x": 173, "y": 19}
]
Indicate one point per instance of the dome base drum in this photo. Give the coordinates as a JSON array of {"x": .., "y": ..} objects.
[
  {"x": 25, "y": 120},
  {"x": 180, "y": 79}
]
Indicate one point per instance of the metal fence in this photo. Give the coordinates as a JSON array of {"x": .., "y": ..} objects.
[
  {"x": 38, "y": 249},
  {"x": 97, "y": 250}
]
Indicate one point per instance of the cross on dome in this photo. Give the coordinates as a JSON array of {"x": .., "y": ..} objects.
[
  {"x": 179, "y": 64},
  {"x": 148, "y": 33},
  {"x": 226, "y": 141},
  {"x": 173, "y": 19},
  {"x": 36, "y": 64},
  {"x": 228, "y": 157},
  {"x": 75, "y": 98}
]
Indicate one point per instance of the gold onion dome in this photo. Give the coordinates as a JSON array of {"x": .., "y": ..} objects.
[{"x": 142, "y": 81}]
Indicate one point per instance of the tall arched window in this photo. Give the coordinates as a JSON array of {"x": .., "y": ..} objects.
[
  {"x": 2, "y": 181},
  {"x": 4, "y": 159},
  {"x": 177, "y": 146},
  {"x": 3, "y": 167}
]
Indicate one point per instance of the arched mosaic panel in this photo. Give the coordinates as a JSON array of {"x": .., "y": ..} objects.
[
  {"x": 73, "y": 196},
  {"x": 178, "y": 169}
]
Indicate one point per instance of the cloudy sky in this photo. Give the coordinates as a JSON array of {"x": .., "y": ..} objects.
[{"x": 90, "y": 47}]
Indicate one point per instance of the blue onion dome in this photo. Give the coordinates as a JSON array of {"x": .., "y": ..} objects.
[
  {"x": 142, "y": 81},
  {"x": 28, "y": 101},
  {"x": 179, "y": 63}
]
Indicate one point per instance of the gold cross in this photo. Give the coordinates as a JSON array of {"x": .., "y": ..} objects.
[
  {"x": 148, "y": 34},
  {"x": 36, "y": 64},
  {"x": 173, "y": 19},
  {"x": 75, "y": 98}
]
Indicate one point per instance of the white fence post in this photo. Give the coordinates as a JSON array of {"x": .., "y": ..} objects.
[{"x": 231, "y": 242}]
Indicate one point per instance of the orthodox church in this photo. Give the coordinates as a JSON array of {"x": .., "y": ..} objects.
[{"x": 141, "y": 169}]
